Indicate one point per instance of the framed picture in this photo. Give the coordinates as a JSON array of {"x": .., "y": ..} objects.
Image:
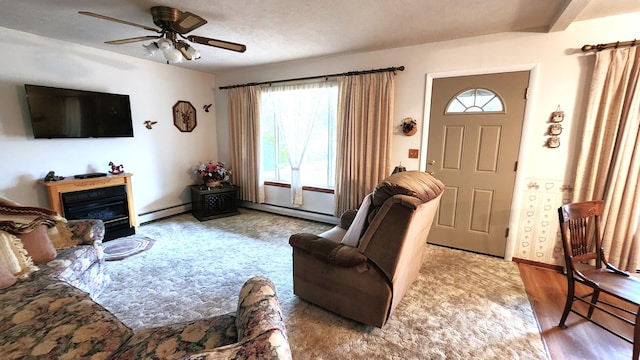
[{"x": 184, "y": 116}]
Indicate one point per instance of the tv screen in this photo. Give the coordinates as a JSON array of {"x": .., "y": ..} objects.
[{"x": 67, "y": 113}]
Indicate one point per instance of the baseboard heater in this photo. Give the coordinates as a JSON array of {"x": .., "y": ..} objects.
[
  {"x": 159, "y": 214},
  {"x": 307, "y": 215}
]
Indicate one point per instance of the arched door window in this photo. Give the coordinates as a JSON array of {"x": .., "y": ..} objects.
[{"x": 475, "y": 100}]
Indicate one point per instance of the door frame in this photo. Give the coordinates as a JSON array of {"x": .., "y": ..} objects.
[{"x": 525, "y": 141}]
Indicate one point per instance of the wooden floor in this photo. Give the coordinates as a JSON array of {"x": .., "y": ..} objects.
[{"x": 547, "y": 291}]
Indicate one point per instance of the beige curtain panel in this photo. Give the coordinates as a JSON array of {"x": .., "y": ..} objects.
[
  {"x": 244, "y": 129},
  {"x": 609, "y": 163},
  {"x": 365, "y": 112}
]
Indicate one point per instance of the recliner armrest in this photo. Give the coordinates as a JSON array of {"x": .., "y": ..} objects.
[{"x": 327, "y": 250}]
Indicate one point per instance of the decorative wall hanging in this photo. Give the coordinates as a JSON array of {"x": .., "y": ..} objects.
[
  {"x": 555, "y": 128},
  {"x": 409, "y": 126},
  {"x": 557, "y": 116},
  {"x": 206, "y": 107},
  {"x": 148, "y": 124},
  {"x": 184, "y": 116},
  {"x": 553, "y": 142},
  {"x": 398, "y": 169}
]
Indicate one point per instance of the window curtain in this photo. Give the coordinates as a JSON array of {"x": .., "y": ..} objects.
[
  {"x": 244, "y": 129},
  {"x": 296, "y": 109},
  {"x": 609, "y": 161},
  {"x": 365, "y": 111}
]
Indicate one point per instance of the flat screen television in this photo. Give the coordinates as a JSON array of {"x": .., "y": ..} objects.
[{"x": 67, "y": 113}]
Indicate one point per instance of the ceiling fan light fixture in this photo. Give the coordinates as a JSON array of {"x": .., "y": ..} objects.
[
  {"x": 172, "y": 23},
  {"x": 193, "y": 53},
  {"x": 165, "y": 44},
  {"x": 151, "y": 48},
  {"x": 172, "y": 55}
]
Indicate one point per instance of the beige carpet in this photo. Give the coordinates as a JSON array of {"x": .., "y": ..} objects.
[{"x": 463, "y": 305}]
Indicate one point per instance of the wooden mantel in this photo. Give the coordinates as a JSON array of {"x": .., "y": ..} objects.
[{"x": 55, "y": 189}]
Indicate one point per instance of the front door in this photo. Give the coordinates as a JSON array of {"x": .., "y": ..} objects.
[{"x": 474, "y": 136}]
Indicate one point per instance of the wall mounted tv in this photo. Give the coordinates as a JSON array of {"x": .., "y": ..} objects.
[{"x": 67, "y": 113}]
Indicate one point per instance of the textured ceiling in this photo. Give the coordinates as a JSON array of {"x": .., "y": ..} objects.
[{"x": 281, "y": 30}]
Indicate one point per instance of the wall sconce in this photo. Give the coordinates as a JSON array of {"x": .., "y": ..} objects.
[{"x": 409, "y": 126}]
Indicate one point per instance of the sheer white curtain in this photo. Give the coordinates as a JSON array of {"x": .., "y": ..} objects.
[
  {"x": 609, "y": 162},
  {"x": 296, "y": 109}
]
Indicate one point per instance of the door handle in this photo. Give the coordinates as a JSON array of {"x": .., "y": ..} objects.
[
  {"x": 431, "y": 162},
  {"x": 430, "y": 173}
]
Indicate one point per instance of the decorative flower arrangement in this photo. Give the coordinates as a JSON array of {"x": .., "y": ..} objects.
[{"x": 213, "y": 172}]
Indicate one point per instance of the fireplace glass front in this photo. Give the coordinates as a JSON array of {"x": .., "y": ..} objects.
[{"x": 108, "y": 204}]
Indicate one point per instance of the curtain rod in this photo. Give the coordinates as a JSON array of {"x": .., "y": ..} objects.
[
  {"x": 351, "y": 73},
  {"x": 616, "y": 45}
]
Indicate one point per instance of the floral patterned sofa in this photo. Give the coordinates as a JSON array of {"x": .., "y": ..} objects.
[
  {"x": 82, "y": 264},
  {"x": 51, "y": 315}
]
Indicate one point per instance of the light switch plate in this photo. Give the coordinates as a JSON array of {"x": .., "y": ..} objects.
[{"x": 413, "y": 153}]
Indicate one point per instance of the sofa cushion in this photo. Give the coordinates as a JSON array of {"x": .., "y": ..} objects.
[
  {"x": 6, "y": 276},
  {"x": 177, "y": 340},
  {"x": 417, "y": 184},
  {"x": 38, "y": 245},
  {"x": 14, "y": 256},
  {"x": 269, "y": 345},
  {"x": 49, "y": 319}
]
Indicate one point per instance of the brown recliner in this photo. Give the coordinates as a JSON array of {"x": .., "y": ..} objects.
[{"x": 366, "y": 280}]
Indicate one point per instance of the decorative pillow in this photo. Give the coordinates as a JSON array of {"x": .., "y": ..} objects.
[
  {"x": 352, "y": 237},
  {"x": 61, "y": 236},
  {"x": 6, "y": 276},
  {"x": 15, "y": 257},
  {"x": 7, "y": 202},
  {"x": 38, "y": 245}
]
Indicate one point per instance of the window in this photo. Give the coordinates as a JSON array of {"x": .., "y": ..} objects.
[
  {"x": 475, "y": 100},
  {"x": 298, "y": 131}
]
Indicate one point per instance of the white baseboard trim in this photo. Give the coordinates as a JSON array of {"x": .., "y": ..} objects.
[{"x": 307, "y": 215}]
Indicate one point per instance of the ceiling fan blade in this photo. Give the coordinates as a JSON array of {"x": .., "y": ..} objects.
[
  {"x": 119, "y": 21},
  {"x": 130, "y": 40},
  {"x": 217, "y": 43},
  {"x": 187, "y": 22},
  {"x": 184, "y": 52}
]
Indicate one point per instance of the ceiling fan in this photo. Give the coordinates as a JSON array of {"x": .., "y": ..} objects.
[{"x": 173, "y": 23}]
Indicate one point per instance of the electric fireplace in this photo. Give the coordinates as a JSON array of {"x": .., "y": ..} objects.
[{"x": 108, "y": 204}]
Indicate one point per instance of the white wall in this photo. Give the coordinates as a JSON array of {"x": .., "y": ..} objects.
[
  {"x": 560, "y": 76},
  {"x": 160, "y": 159}
]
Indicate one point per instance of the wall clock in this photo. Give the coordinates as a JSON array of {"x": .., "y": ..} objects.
[{"x": 184, "y": 116}]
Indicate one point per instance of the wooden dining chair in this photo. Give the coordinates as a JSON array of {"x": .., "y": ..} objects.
[{"x": 586, "y": 263}]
